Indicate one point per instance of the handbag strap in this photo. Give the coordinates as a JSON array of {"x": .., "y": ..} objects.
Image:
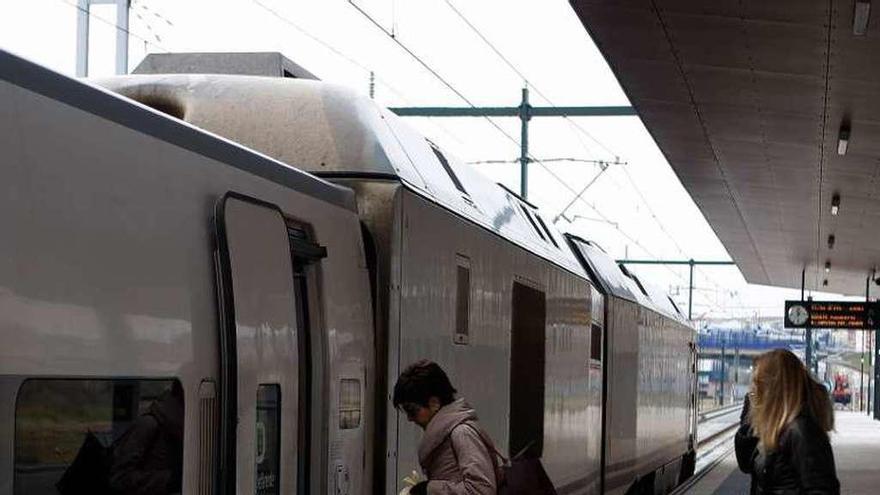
[{"x": 490, "y": 445}]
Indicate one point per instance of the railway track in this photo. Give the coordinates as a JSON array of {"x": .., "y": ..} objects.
[{"x": 715, "y": 441}]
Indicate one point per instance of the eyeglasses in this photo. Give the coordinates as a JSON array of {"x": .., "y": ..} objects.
[{"x": 410, "y": 408}]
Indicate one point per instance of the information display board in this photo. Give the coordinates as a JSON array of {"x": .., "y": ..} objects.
[{"x": 832, "y": 314}]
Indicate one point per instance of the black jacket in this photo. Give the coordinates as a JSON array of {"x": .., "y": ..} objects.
[
  {"x": 746, "y": 444},
  {"x": 802, "y": 463}
]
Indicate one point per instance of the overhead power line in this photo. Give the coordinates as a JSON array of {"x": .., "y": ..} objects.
[
  {"x": 531, "y": 157},
  {"x": 339, "y": 53},
  {"x": 519, "y": 73},
  {"x": 574, "y": 124}
]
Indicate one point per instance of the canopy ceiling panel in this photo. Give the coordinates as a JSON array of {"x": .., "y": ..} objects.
[{"x": 747, "y": 100}]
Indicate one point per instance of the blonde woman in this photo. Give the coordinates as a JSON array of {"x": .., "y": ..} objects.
[{"x": 783, "y": 441}]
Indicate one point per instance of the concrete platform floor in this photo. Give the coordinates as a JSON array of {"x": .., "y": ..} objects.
[{"x": 856, "y": 444}]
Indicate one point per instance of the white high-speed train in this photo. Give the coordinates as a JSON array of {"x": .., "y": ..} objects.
[{"x": 278, "y": 250}]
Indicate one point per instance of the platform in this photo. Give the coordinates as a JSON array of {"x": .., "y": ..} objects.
[{"x": 856, "y": 445}]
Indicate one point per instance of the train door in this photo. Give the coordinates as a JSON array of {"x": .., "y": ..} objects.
[
  {"x": 693, "y": 406},
  {"x": 263, "y": 438},
  {"x": 527, "y": 359}
]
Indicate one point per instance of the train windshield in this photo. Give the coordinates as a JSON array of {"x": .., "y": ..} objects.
[{"x": 605, "y": 271}]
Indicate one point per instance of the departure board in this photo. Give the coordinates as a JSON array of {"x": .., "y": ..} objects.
[{"x": 832, "y": 314}]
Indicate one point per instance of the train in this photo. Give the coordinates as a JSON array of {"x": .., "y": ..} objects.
[{"x": 277, "y": 250}]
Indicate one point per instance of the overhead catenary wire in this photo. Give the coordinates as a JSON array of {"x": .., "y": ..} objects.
[
  {"x": 339, "y": 53},
  {"x": 519, "y": 73},
  {"x": 574, "y": 124},
  {"x": 428, "y": 67},
  {"x": 530, "y": 156}
]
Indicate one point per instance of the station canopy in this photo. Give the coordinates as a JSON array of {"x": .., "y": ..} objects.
[{"x": 749, "y": 101}]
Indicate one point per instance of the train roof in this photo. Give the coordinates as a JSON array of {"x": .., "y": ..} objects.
[
  {"x": 102, "y": 103},
  {"x": 330, "y": 130},
  {"x": 614, "y": 279}
]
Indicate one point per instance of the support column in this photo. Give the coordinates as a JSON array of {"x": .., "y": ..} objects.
[
  {"x": 122, "y": 7},
  {"x": 82, "y": 38},
  {"x": 808, "y": 332},
  {"x": 82, "y": 35},
  {"x": 691, "y": 290},
  {"x": 735, "y": 372},
  {"x": 808, "y": 354},
  {"x": 524, "y": 116},
  {"x": 876, "y": 359},
  {"x": 721, "y": 395},
  {"x": 867, "y": 351},
  {"x": 862, "y": 397}
]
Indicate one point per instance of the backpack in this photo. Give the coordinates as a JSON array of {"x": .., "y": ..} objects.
[{"x": 517, "y": 475}]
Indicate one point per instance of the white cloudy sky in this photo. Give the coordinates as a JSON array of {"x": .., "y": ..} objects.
[{"x": 484, "y": 49}]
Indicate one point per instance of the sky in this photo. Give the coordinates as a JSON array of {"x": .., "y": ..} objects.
[{"x": 452, "y": 53}]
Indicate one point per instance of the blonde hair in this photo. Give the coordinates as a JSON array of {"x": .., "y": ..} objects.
[{"x": 782, "y": 388}]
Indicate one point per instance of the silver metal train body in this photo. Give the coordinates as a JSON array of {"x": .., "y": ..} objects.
[{"x": 146, "y": 251}]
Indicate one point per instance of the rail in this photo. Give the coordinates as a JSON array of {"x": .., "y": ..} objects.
[
  {"x": 712, "y": 448},
  {"x": 721, "y": 411}
]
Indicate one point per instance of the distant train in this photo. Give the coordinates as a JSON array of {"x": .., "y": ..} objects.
[{"x": 277, "y": 250}]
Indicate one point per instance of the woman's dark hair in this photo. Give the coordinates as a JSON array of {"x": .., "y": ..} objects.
[{"x": 420, "y": 381}]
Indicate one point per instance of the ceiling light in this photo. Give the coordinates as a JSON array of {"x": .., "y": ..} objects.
[
  {"x": 831, "y": 240},
  {"x": 843, "y": 139},
  {"x": 835, "y": 204},
  {"x": 827, "y": 267},
  {"x": 861, "y": 14}
]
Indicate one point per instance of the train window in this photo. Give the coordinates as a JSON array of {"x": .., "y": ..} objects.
[
  {"x": 544, "y": 225},
  {"x": 596, "y": 342},
  {"x": 98, "y": 436},
  {"x": 445, "y": 163},
  {"x": 462, "y": 299},
  {"x": 267, "y": 440},
  {"x": 349, "y": 403},
  {"x": 527, "y": 341},
  {"x": 532, "y": 221}
]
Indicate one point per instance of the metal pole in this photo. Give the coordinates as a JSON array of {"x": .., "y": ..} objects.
[
  {"x": 691, "y": 291},
  {"x": 862, "y": 377},
  {"x": 82, "y": 38},
  {"x": 603, "y": 111},
  {"x": 721, "y": 395},
  {"x": 524, "y": 145},
  {"x": 875, "y": 355},
  {"x": 866, "y": 348},
  {"x": 122, "y": 7},
  {"x": 735, "y": 371},
  {"x": 868, "y": 357},
  {"x": 808, "y": 354},
  {"x": 808, "y": 333},
  {"x": 803, "y": 279}
]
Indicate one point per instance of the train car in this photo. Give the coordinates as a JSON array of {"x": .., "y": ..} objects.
[
  {"x": 466, "y": 273},
  {"x": 198, "y": 268},
  {"x": 649, "y": 420},
  {"x": 158, "y": 282}
]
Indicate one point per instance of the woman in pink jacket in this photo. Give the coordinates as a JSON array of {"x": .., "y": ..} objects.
[{"x": 455, "y": 454}]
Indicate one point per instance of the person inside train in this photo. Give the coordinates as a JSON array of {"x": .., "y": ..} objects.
[
  {"x": 148, "y": 458},
  {"x": 455, "y": 453},
  {"x": 783, "y": 440}
]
